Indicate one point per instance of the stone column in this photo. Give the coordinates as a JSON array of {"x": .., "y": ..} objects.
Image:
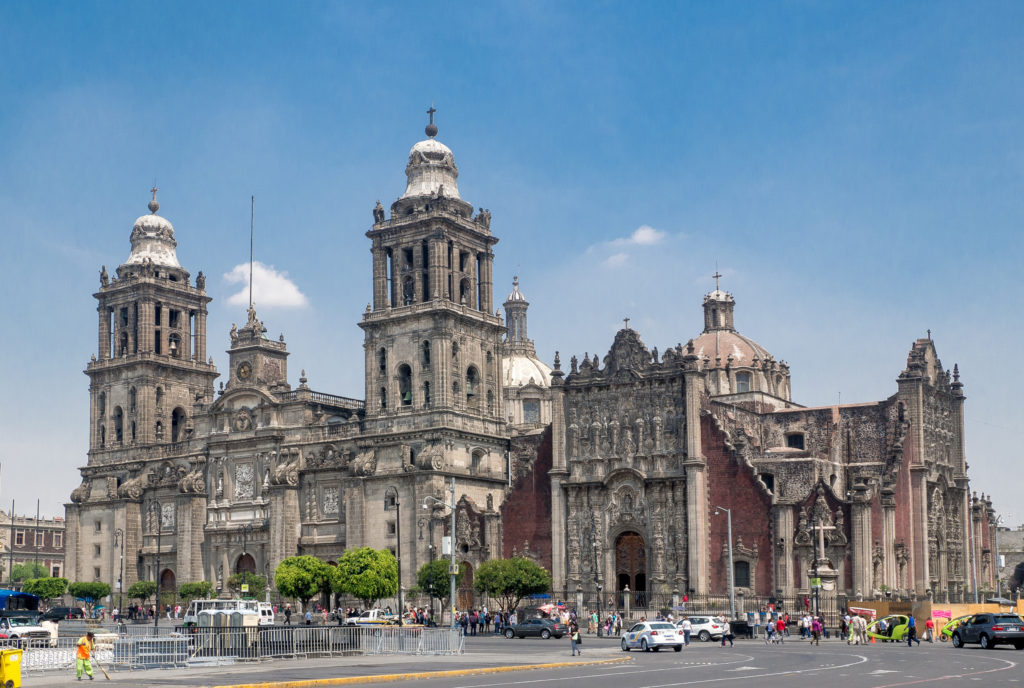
[
  {"x": 145, "y": 325},
  {"x": 380, "y": 277},
  {"x": 487, "y": 283},
  {"x": 418, "y": 292},
  {"x": 104, "y": 330},
  {"x": 697, "y": 526},
  {"x": 132, "y": 541},
  {"x": 889, "y": 538},
  {"x": 201, "y": 335},
  {"x": 436, "y": 270},
  {"x": 71, "y": 539},
  {"x": 860, "y": 539},
  {"x": 784, "y": 530},
  {"x": 558, "y": 474}
]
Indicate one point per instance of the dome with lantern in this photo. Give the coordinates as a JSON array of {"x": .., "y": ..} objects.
[{"x": 153, "y": 239}]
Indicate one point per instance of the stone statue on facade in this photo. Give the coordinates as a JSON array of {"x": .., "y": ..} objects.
[
  {"x": 378, "y": 213},
  {"x": 104, "y": 277},
  {"x": 201, "y": 281}
]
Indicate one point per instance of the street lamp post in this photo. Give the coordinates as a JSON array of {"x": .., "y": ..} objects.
[
  {"x": 597, "y": 577},
  {"x": 392, "y": 493},
  {"x": 429, "y": 523},
  {"x": 451, "y": 569},
  {"x": 732, "y": 581},
  {"x": 156, "y": 575},
  {"x": 119, "y": 540}
]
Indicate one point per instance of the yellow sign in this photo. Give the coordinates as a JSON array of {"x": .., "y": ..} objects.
[
  {"x": 245, "y": 587},
  {"x": 815, "y": 582}
]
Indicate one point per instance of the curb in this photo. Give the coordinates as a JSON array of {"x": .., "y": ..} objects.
[{"x": 384, "y": 678}]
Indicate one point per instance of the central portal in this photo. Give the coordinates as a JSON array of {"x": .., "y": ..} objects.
[{"x": 631, "y": 562}]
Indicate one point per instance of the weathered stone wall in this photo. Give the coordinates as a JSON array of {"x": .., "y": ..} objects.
[{"x": 526, "y": 511}]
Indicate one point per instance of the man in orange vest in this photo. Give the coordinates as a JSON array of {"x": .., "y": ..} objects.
[{"x": 85, "y": 645}]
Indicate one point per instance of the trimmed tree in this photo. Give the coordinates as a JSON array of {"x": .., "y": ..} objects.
[
  {"x": 46, "y": 588},
  {"x": 434, "y": 580},
  {"x": 89, "y": 592},
  {"x": 367, "y": 574},
  {"x": 141, "y": 590},
  {"x": 29, "y": 570},
  {"x": 257, "y": 584},
  {"x": 200, "y": 590},
  {"x": 303, "y": 577},
  {"x": 510, "y": 580}
]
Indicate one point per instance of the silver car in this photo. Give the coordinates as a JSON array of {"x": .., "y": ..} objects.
[{"x": 652, "y": 635}]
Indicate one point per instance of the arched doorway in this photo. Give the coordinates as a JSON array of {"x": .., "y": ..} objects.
[
  {"x": 464, "y": 595},
  {"x": 245, "y": 564},
  {"x": 631, "y": 565},
  {"x": 168, "y": 587}
]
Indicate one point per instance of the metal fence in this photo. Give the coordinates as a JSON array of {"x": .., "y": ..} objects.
[{"x": 207, "y": 646}]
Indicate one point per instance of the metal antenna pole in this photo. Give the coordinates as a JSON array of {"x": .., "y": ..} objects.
[
  {"x": 12, "y": 544},
  {"x": 35, "y": 566},
  {"x": 252, "y": 233}
]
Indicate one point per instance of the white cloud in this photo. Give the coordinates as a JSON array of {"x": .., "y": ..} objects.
[
  {"x": 270, "y": 288},
  {"x": 615, "y": 260},
  {"x": 644, "y": 235}
]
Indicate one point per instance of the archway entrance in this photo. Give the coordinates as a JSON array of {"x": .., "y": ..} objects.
[
  {"x": 464, "y": 595},
  {"x": 245, "y": 564},
  {"x": 168, "y": 588},
  {"x": 631, "y": 564}
]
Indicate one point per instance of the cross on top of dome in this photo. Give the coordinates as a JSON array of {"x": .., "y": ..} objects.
[
  {"x": 431, "y": 129},
  {"x": 153, "y": 205}
]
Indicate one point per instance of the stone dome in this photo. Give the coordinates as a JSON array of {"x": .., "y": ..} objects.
[
  {"x": 431, "y": 171},
  {"x": 519, "y": 370},
  {"x": 153, "y": 239},
  {"x": 724, "y": 343},
  {"x": 515, "y": 295}
]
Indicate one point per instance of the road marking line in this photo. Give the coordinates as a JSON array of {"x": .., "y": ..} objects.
[
  {"x": 418, "y": 675},
  {"x": 1009, "y": 664}
]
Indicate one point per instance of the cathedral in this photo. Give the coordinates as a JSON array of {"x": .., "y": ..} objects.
[{"x": 622, "y": 473}]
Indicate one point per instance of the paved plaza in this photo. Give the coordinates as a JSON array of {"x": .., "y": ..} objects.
[{"x": 492, "y": 662}]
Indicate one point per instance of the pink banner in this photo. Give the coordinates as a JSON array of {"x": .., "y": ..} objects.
[
  {"x": 862, "y": 611},
  {"x": 942, "y": 613}
]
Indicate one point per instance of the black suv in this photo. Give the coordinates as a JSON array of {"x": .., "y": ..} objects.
[
  {"x": 544, "y": 628},
  {"x": 989, "y": 630},
  {"x": 61, "y": 613}
]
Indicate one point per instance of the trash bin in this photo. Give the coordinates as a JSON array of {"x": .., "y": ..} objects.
[{"x": 10, "y": 668}]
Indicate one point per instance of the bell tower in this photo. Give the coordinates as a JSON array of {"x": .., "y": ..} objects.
[
  {"x": 432, "y": 340},
  {"x": 151, "y": 367}
]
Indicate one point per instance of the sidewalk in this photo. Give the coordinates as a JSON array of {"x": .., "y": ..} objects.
[{"x": 355, "y": 668}]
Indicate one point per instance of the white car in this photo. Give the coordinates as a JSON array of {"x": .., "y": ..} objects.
[
  {"x": 652, "y": 635},
  {"x": 704, "y": 627}
]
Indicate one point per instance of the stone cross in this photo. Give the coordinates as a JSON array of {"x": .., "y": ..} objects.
[
  {"x": 716, "y": 276},
  {"x": 821, "y": 528},
  {"x": 626, "y": 320},
  {"x": 431, "y": 112}
]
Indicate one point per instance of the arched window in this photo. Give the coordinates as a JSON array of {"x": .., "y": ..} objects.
[
  {"x": 426, "y": 394},
  {"x": 174, "y": 346},
  {"x": 425, "y": 347},
  {"x": 472, "y": 380},
  {"x": 742, "y": 382},
  {"x": 490, "y": 401},
  {"x": 102, "y": 410},
  {"x": 177, "y": 424},
  {"x": 455, "y": 351},
  {"x": 741, "y": 574},
  {"x": 405, "y": 385},
  {"x": 383, "y": 397},
  {"x": 159, "y": 430},
  {"x": 118, "y": 424},
  {"x": 103, "y": 435},
  {"x": 132, "y": 398},
  {"x": 455, "y": 391},
  {"x": 159, "y": 396},
  {"x": 382, "y": 360},
  {"x": 133, "y": 432}
]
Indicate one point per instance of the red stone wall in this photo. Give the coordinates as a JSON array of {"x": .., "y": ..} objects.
[
  {"x": 732, "y": 485},
  {"x": 526, "y": 512}
]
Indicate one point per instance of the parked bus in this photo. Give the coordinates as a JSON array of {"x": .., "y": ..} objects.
[
  {"x": 14, "y": 603},
  {"x": 265, "y": 611}
]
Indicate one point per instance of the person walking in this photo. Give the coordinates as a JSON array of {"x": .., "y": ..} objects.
[
  {"x": 815, "y": 631},
  {"x": 780, "y": 630},
  {"x": 929, "y": 630},
  {"x": 687, "y": 629},
  {"x": 575, "y": 640},
  {"x": 912, "y": 631},
  {"x": 727, "y": 633},
  {"x": 83, "y": 657}
]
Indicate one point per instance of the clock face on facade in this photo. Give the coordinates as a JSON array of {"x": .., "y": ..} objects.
[{"x": 244, "y": 370}]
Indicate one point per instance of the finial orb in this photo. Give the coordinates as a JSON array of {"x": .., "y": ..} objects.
[
  {"x": 431, "y": 130},
  {"x": 153, "y": 204}
]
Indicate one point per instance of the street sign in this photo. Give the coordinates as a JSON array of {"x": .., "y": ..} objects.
[
  {"x": 453, "y": 569},
  {"x": 245, "y": 587},
  {"x": 815, "y": 582},
  {"x": 446, "y": 544}
]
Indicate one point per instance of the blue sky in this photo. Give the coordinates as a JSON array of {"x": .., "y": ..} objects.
[{"x": 853, "y": 169}]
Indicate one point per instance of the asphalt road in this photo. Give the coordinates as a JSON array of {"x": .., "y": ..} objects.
[{"x": 749, "y": 663}]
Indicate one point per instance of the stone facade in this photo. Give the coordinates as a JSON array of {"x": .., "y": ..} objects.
[
  {"x": 869, "y": 497},
  {"x": 616, "y": 473}
]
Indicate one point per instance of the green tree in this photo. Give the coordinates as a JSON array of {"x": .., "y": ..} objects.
[
  {"x": 257, "y": 584},
  {"x": 141, "y": 590},
  {"x": 439, "y": 584},
  {"x": 510, "y": 580},
  {"x": 200, "y": 590},
  {"x": 89, "y": 592},
  {"x": 367, "y": 574},
  {"x": 46, "y": 588},
  {"x": 303, "y": 577},
  {"x": 28, "y": 570}
]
